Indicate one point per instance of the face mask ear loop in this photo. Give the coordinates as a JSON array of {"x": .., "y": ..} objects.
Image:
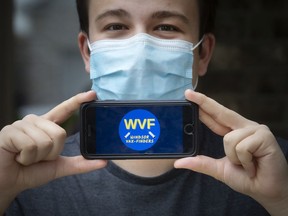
[
  {"x": 89, "y": 45},
  {"x": 195, "y": 47},
  {"x": 196, "y": 84},
  {"x": 198, "y": 44}
]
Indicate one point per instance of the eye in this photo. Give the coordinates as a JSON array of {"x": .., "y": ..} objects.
[
  {"x": 116, "y": 27},
  {"x": 166, "y": 28}
]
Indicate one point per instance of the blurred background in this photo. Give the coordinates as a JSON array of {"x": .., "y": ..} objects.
[{"x": 40, "y": 65}]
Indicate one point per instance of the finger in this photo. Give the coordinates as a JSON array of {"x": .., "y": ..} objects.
[
  {"x": 34, "y": 149},
  {"x": 221, "y": 115},
  {"x": 202, "y": 164},
  {"x": 232, "y": 139},
  {"x": 220, "y": 169},
  {"x": 63, "y": 111},
  {"x": 212, "y": 124},
  {"x": 53, "y": 132},
  {"x": 245, "y": 152},
  {"x": 63, "y": 166},
  {"x": 11, "y": 144},
  {"x": 77, "y": 165}
]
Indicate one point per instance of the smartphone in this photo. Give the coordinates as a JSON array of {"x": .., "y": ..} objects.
[{"x": 138, "y": 129}]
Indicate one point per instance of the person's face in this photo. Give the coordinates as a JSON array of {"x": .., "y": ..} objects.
[{"x": 167, "y": 19}]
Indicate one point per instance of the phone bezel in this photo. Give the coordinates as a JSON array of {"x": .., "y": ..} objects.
[{"x": 86, "y": 121}]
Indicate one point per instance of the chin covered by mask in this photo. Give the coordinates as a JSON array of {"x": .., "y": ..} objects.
[{"x": 141, "y": 68}]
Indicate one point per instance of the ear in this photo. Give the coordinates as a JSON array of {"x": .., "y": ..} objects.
[
  {"x": 206, "y": 53},
  {"x": 84, "y": 50}
]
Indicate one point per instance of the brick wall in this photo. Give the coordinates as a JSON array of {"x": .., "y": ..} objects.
[{"x": 249, "y": 70}]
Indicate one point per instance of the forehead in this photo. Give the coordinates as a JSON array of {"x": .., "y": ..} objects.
[{"x": 143, "y": 8}]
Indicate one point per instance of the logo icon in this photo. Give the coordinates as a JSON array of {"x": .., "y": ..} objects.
[{"x": 139, "y": 130}]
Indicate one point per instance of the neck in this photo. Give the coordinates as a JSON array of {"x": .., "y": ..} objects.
[{"x": 146, "y": 168}]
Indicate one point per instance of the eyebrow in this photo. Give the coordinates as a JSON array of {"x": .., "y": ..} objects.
[
  {"x": 170, "y": 14},
  {"x": 113, "y": 13}
]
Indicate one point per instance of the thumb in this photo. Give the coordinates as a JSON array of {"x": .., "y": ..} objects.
[
  {"x": 63, "y": 166},
  {"x": 202, "y": 164},
  {"x": 67, "y": 166}
]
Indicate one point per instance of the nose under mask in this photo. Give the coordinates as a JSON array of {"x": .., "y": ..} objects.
[{"x": 142, "y": 67}]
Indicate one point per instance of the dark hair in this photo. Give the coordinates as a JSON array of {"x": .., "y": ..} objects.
[
  {"x": 207, "y": 10},
  {"x": 82, "y": 9},
  {"x": 207, "y": 15}
]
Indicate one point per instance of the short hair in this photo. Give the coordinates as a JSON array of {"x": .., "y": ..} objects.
[
  {"x": 207, "y": 13},
  {"x": 83, "y": 16}
]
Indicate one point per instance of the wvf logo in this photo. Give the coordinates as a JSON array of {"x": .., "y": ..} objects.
[{"x": 139, "y": 130}]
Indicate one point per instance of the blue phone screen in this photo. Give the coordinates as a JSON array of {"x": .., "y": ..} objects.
[{"x": 121, "y": 130}]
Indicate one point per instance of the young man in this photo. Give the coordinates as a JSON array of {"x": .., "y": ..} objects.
[{"x": 248, "y": 168}]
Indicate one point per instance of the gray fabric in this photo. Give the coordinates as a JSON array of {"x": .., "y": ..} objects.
[{"x": 113, "y": 191}]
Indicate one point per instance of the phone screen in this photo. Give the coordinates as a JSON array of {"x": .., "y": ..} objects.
[{"x": 139, "y": 130}]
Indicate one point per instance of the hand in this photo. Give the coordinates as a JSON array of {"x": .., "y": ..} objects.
[
  {"x": 254, "y": 164},
  {"x": 30, "y": 148}
]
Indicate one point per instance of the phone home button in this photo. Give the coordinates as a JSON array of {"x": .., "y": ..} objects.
[{"x": 188, "y": 129}]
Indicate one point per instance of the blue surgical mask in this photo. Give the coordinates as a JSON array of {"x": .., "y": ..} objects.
[{"x": 142, "y": 67}]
